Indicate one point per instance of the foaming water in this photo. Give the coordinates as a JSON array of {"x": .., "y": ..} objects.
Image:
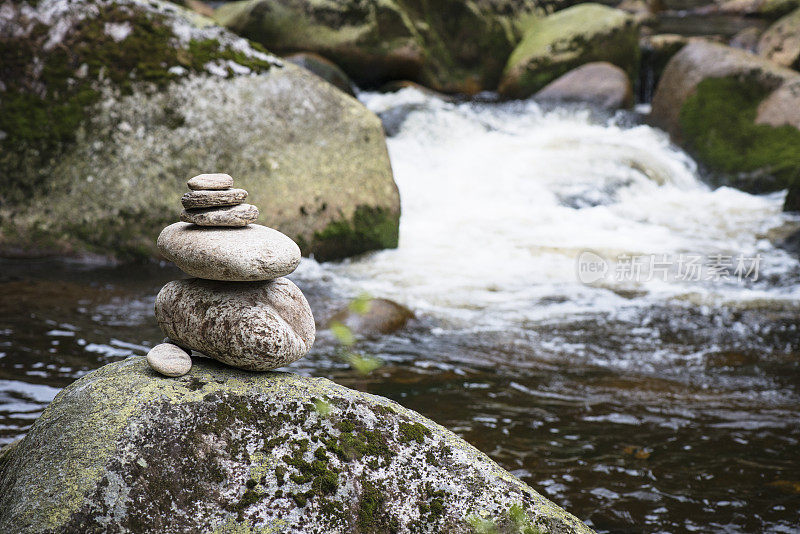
[{"x": 500, "y": 200}]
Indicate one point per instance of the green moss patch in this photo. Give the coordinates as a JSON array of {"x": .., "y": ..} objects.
[
  {"x": 369, "y": 229},
  {"x": 719, "y": 130},
  {"x": 42, "y": 109}
]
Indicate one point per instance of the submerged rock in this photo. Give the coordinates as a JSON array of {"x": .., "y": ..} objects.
[
  {"x": 244, "y": 254},
  {"x": 736, "y": 113},
  {"x": 379, "y": 316},
  {"x": 256, "y": 326},
  {"x": 130, "y": 98},
  {"x": 222, "y": 450},
  {"x": 558, "y": 43},
  {"x": 599, "y": 84}
]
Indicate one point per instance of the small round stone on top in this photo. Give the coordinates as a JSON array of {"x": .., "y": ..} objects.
[{"x": 210, "y": 181}]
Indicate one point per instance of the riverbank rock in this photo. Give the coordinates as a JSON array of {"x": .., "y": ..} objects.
[
  {"x": 131, "y": 98},
  {"x": 553, "y": 45},
  {"x": 256, "y": 326},
  {"x": 599, "y": 84},
  {"x": 447, "y": 45},
  {"x": 724, "y": 106},
  {"x": 243, "y": 254},
  {"x": 781, "y": 42},
  {"x": 223, "y": 450},
  {"x": 325, "y": 69}
]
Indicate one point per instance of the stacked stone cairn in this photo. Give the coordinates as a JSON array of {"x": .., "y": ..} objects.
[{"x": 237, "y": 308}]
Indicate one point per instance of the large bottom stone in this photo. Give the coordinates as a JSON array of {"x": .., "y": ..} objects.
[
  {"x": 221, "y": 450},
  {"x": 256, "y": 326}
]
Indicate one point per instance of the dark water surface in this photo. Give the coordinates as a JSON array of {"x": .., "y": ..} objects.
[{"x": 708, "y": 446}]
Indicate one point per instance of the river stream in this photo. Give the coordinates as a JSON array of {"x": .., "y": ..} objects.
[{"x": 559, "y": 326}]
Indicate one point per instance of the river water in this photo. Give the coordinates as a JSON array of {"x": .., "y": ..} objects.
[{"x": 588, "y": 313}]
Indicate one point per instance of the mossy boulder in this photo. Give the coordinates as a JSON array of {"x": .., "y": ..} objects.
[
  {"x": 736, "y": 113},
  {"x": 324, "y": 68},
  {"x": 222, "y": 450},
  {"x": 448, "y": 45},
  {"x": 129, "y": 99},
  {"x": 781, "y": 42},
  {"x": 553, "y": 45}
]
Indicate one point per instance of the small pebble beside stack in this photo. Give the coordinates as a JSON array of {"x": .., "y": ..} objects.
[{"x": 237, "y": 309}]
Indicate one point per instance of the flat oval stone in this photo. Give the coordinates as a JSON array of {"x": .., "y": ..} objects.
[
  {"x": 212, "y": 199},
  {"x": 169, "y": 360},
  {"x": 240, "y": 215},
  {"x": 210, "y": 181},
  {"x": 256, "y": 326},
  {"x": 245, "y": 254}
]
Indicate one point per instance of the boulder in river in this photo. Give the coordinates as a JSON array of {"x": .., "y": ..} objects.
[
  {"x": 736, "y": 112},
  {"x": 378, "y": 316},
  {"x": 781, "y": 42},
  {"x": 131, "y": 98},
  {"x": 599, "y": 84},
  {"x": 224, "y": 450},
  {"x": 554, "y": 45},
  {"x": 447, "y": 45},
  {"x": 324, "y": 68}
]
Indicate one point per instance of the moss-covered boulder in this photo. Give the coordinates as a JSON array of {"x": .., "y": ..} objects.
[
  {"x": 724, "y": 106},
  {"x": 108, "y": 107},
  {"x": 553, "y": 45},
  {"x": 222, "y": 450},
  {"x": 448, "y": 45},
  {"x": 781, "y": 42}
]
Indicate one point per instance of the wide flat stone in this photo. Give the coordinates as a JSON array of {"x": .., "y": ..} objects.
[
  {"x": 210, "y": 181},
  {"x": 169, "y": 360},
  {"x": 212, "y": 199},
  {"x": 256, "y": 326},
  {"x": 240, "y": 215},
  {"x": 245, "y": 254}
]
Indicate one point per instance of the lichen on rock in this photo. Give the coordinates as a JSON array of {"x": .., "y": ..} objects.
[
  {"x": 224, "y": 450},
  {"x": 139, "y": 96}
]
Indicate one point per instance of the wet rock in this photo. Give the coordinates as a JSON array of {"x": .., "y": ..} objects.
[
  {"x": 211, "y": 199},
  {"x": 735, "y": 112},
  {"x": 255, "y": 326},
  {"x": 225, "y": 450},
  {"x": 747, "y": 39},
  {"x": 169, "y": 360},
  {"x": 244, "y": 254},
  {"x": 206, "y": 99},
  {"x": 599, "y": 84},
  {"x": 453, "y": 46},
  {"x": 240, "y": 215},
  {"x": 381, "y": 316},
  {"x": 781, "y": 42},
  {"x": 210, "y": 181},
  {"x": 325, "y": 69},
  {"x": 558, "y": 43}
]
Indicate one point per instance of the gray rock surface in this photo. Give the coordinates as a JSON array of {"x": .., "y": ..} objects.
[
  {"x": 244, "y": 254},
  {"x": 169, "y": 360},
  {"x": 211, "y": 199},
  {"x": 210, "y": 181},
  {"x": 222, "y": 450},
  {"x": 240, "y": 215},
  {"x": 256, "y": 326},
  {"x": 599, "y": 84}
]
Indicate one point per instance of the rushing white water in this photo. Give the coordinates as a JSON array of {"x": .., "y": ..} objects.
[{"x": 499, "y": 201}]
